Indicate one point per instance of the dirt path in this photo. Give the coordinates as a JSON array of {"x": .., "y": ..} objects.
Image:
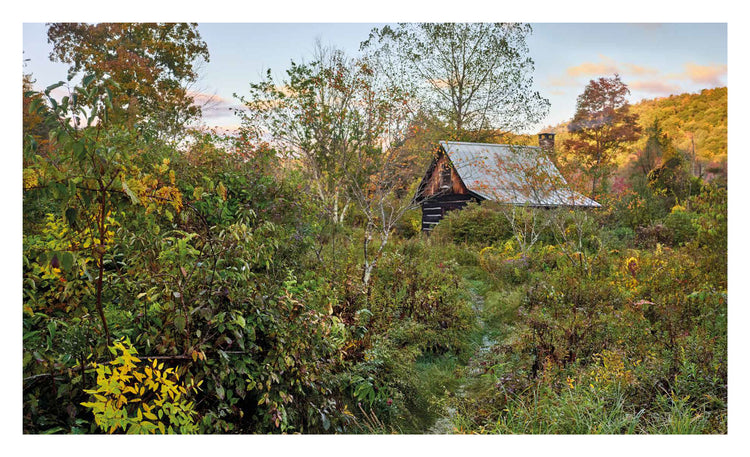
[{"x": 444, "y": 424}]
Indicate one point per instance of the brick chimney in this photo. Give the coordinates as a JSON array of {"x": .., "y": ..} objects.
[{"x": 547, "y": 142}]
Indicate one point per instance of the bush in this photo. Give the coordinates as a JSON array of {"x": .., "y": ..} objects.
[
  {"x": 650, "y": 236},
  {"x": 482, "y": 224},
  {"x": 681, "y": 226},
  {"x": 414, "y": 284}
]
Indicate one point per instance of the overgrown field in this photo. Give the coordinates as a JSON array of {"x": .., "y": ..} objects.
[
  {"x": 275, "y": 280},
  {"x": 234, "y": 314}
]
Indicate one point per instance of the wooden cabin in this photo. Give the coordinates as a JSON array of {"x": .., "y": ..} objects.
[{"x": 517, "y": 175}]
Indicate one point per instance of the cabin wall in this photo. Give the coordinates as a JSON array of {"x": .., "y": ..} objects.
[
  {"x": 443, "y": 191},
  {"x": 435, "y": 208}
]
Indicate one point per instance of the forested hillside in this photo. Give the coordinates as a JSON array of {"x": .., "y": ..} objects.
[{"x": 693, "y": 122}]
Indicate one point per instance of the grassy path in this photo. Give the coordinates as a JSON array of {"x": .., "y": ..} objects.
[{"x": 483, "y": 342}]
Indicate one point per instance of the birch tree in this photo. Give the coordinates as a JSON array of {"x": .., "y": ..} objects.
[{"x": 312, "y": 116}]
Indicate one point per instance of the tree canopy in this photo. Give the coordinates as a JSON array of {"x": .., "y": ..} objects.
[
  {"x": 474, "y": 76},
  {"x": 601, "y": 127},
  {"x": 152, "y": 64}
]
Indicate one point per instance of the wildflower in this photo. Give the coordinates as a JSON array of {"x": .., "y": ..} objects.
[{"x": 632, "y": 265}]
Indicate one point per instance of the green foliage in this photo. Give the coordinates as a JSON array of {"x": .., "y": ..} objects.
[
  {"x": 474, "y": 94},
  {"x": 680, "y": 223},
  {"x": 634, "y": 344},
  {"x": 476, "y": 224},
  {"x": 151, "y": 65},
  {"x": 420, "y": 294}
]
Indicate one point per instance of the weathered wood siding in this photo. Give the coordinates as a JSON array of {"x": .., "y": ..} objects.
[
  {"x": 434, "y": 209},
  {"x": 443, "y": 191},
  {"x": 444, "y": 180}
]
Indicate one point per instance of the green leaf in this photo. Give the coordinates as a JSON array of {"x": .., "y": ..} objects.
[
  {"x": 71, "y": 214},
  {"x": 53, "y": 87},
  {"x": 87, "y": 80},
  {"x": 78, "y": 150},
  {"x": 179, "y": 323},
  {"x": 67, "y": 261},
  {"x": 52, "y": 328},
  {"x": 34, "y": 105}
]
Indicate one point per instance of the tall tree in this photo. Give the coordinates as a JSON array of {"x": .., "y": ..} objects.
[
  {"x": 152, "y": 64},
  {"x": 382, "y": 182},
  {"x": 475, "y": 76},
  {"x": 325, "y": 114},
  {"x": 601, "y": 127}
]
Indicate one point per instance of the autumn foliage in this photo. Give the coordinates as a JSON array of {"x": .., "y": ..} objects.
[{"x": 177, "y": 280}]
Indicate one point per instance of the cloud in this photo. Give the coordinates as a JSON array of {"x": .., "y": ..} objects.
[
  {"x": 705, "y": 74},
  {"x": 655, "y": 86},
  {"x": 608, "y": 66},
  {"x": 212, "y": 105},
  {"x": 562, "y": 81},
  {"x": 604, "y": 66},
  {"x": 638, "y": 70}
]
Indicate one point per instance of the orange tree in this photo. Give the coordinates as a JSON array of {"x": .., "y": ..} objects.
[
  {"x": 153, "y": 65},
  {"x": 601, "y": 127}
]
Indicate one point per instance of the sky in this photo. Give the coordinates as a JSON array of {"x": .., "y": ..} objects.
[{"x": 653, "y": 59}]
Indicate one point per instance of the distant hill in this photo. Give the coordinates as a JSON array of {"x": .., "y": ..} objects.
[{"x": 702, "y": 116}]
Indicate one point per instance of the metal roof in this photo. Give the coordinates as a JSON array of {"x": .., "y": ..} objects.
[{"x": 519, "y": 175}]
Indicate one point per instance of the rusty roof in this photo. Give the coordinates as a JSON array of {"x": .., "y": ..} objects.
[{"x": 519, "y": 175}]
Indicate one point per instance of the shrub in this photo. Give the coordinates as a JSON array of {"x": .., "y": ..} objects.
[
  {"x": 139, "y": 399},
  {"x": 650, "y": 236},
  {"x": 415, "y": 285},
  {"x": 681, "y": 226},
  {"x": 483, "y": 224}
]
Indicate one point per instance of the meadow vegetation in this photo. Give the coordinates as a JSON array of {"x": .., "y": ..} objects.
[{"x": 199, "y": 283}]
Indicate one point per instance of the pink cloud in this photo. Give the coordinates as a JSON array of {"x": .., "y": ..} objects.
[
  {"x": 604, "y": 66},
  {"x": 639, "y": 70},
  {"x": 608, "y": 66},
  {"x": 705, "y": 74},
  {"x": 562, "y": 81},
  {"x": 655, "y": 86},
  {"x": 213, "y": 105}
]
